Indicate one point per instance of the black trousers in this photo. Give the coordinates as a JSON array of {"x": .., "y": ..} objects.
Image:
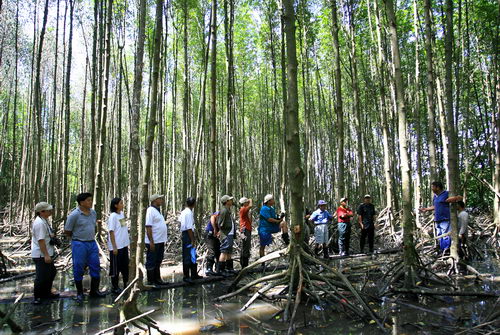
[
  {"x": 246, "y": 244},
  {"x": 119, "y": 264},
  {"x": 213, "y": 247},
  {"x": 154, "y": 258},
  {"x": 45, "y": 274},
  {"x": 370, "y": 233}
]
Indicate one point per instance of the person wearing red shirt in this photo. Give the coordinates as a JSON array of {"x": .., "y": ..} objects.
[
  {"x": 344, "y": 215},
  {"x": 246, "y": 230}
]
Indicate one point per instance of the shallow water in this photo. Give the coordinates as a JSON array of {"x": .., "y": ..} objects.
[{"x": 191, "y": 310}]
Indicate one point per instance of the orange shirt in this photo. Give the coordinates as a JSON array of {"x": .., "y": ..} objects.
[{"x": 245, "y": 221}]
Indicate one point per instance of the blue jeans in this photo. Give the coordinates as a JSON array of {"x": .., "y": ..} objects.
[
  {"x": 443, "y": 227},
  {"x": 85, "y": 253}
]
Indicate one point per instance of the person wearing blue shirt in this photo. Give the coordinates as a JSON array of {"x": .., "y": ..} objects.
[
  {"x": 269, "y": 224},
  {"x": 321, "y": 218},
  {"x": 441, "y": 208}
]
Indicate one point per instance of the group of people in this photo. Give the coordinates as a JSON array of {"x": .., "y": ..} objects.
[
  {"x": 321, "y": 220},
  {"x": 219, "y": 233}
]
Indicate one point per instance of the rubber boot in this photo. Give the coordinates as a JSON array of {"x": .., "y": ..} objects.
[
  {"x": 114, "y": 284},
  {"x": 244, "y": 262},
  {"x": 151, "y": 276},
  {"x": 158, "y": 279},
  {"x": 222, "y": 270},
  {"x": 230, "y": 267},
  {"x": 94, "y": 288},
  {"x": 194, "y": 272},
  {"x": 209, "y": 268},
  {"x": 185, "y": 271},
  {"x": 325, "y": 253},
  {"x": 286, "y": 238},
  {"x": 79, "y": 290}
]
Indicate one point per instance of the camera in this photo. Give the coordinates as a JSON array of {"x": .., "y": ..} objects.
[{"x": 55, "y": 242}]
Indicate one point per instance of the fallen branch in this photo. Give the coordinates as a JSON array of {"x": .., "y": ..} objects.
[
  {"x": 125, "y": 322},
  {"x": 445, "y": 293},
  {"x": 6, "y": 318}
]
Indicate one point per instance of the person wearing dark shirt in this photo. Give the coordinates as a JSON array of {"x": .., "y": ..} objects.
[
  {"x": 344, "y": 215},
  {"x": 441, "y": 208},
  {"x": 366, "y": 220},
  {"x": 227, "y": 230},
  {"x": 213, "y": 244}
]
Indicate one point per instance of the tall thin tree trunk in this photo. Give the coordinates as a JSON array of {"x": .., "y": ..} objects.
[
  {"x": 295, "y": 172},
  {"x": 338, "y": 102},
  {"x": 452, "y": 166},
  {"x": 381, "y": 60},
  {"x": 135, "y": 155},
  {"x": 409, "y": 252},
  {"x": 98, "y": 193},
  {"x": 37, "y": 107},
  {"x": 213, "y": 108},
  {"x": 67, "y": 110},
  {"x": 431, "y": 114}
]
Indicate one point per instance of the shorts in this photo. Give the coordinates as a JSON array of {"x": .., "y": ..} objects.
[
  {"x": 226, "y": 244},
  {"x": 321, "y": 233},
  {"x": 265, "y": 238}
]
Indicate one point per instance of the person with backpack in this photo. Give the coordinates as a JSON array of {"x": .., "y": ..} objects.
[
  {"x": 227, "y": 231},
  {"x": 213, "y": 244}
]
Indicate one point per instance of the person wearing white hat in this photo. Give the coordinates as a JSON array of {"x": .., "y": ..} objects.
[
  {"x": 156, "y": 236},
  {"x": 321, "y": 219},
  {"x": 227, "y": 229},
  {"x": 246, "y": 230},
  {"x": 42, "y": 252},
  {"x": 366, "y": 219},
  {"x": 269, "y": 224},
  {"x": 344, "y": 215}
]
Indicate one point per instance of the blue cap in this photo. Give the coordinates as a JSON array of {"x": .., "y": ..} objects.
[{"x": 322, "y": 202}]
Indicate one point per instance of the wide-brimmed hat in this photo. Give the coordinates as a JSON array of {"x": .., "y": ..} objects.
[
  {"x": 43, "y": 206},
  {"x": 155, "y": 196},
  {"x": 226, "y": 198}
]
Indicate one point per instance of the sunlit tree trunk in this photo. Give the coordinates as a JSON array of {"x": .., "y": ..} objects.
[
  {"x": 430, "y": 100},
  {"x": 338, "y": 102},
  {"x": 452, "y": 164},
  {"x": 409, "y": 252},
  {"x": 213, "y": 107}
]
